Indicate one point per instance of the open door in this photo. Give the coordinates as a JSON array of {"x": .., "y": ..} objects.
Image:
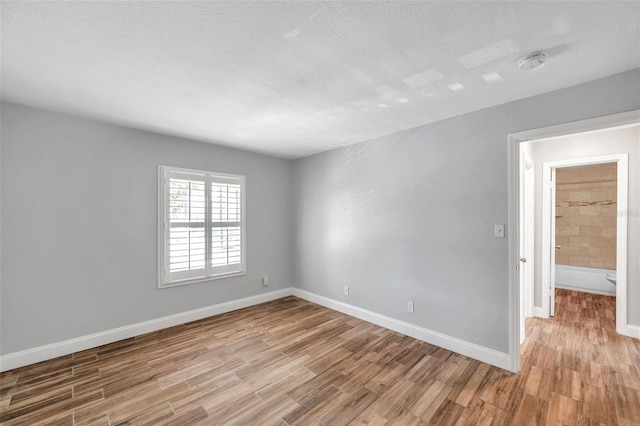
[
  {"x": 552, "y": 251},
  {"x": 526, "y": 240}
]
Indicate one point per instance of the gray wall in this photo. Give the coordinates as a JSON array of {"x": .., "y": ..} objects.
[
  {"x": 406, "y": 217},
  {"x": 410, "y": 216},
  {"x": 590, "y": 145},
  {"x": 79, "y": 226}
]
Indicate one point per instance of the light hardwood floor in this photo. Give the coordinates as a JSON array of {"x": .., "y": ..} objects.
[{"x": 292, "y": 362}]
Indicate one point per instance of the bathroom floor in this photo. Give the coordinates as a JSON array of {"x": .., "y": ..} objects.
[
  {"x": 577, "y": 363},
  {"x": 593, "y": 311}
]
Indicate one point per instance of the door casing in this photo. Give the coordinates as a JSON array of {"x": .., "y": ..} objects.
[
  {"x": 548, "y": 231},
  {"x": 514, "y": 140}
]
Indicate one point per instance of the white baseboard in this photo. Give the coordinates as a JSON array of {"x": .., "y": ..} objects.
[
  {"x": 539, "y": 312},
  {"x": 43, "y": 353},
  {"x": 480, "y": 353},
  {"x": 631, "y": 331}
]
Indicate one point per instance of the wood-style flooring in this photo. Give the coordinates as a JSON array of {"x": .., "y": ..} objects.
[{"x": 291, "y": 362}]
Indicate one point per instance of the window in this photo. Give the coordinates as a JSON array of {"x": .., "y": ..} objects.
[{"x": 201, "y": 226}]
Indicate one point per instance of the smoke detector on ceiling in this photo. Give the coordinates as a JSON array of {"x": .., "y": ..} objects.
[{"x": 532, "y": 60}]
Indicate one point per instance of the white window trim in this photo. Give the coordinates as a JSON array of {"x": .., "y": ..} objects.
[{"x": 163, "y": 234}]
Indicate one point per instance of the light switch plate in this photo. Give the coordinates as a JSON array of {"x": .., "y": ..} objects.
[{"x": 498, "y": 231}]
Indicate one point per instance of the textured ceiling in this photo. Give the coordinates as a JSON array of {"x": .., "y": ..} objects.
[{"x": 295, "y": 78}]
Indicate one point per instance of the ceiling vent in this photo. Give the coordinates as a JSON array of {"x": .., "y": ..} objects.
[{"x": 532, "y": 60}]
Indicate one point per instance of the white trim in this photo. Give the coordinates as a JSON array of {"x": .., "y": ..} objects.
[
  {"x": 630, "y": 330},
  {"x": 178, "y": 283},
  {"x": 480, "y": 353},
  {"x": 622, "y": 161},
  {"x": 539, "y": 312},
  {"x": 43, "y": 353},
  {"x": 622, "y": 320},
  {"x": 514, "y": 139},
  {"x": 548, "y": 223},
  {"x": 578, "y": 127}
]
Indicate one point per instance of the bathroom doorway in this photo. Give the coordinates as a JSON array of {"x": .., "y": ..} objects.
[
  {"x": 585, "y": 228},
  {"x": 580, "y": 205},
  {"x": 597, "y": 141}
]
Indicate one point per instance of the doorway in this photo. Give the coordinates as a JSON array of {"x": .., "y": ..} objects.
[
  {"x": 518, "y": 306},
  {"x": 548, "y": 236}
]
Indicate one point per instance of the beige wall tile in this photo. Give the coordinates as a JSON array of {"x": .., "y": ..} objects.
[
  {"x": 567, "y": 230},
  {"x": 602, "y": 242},
  {"x": 591, "y": 211},
  {"x": 581, "y": 196},
  {"x": 569, "y": 250},
  {"x": 599, "y": 173},
  {"x": 602, "y": 263},
  {"x": 567, "y": 186},
  {"x": 579, "y": 261},
  {"x": 609, "y": 195},
  {"x": 590, "y": 252},
  {"x": 591, "y": 187},
  {"x": 591, "y": 231},
  {"x": 572, "y": 211},
  {"x": 579, "y": 221},
  {"x": 606, "y": 221},
  {"x": 579, "y": 241}
]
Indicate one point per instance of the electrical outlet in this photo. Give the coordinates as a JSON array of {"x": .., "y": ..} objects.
[
  {"x": 346, "y": 290},
  {"x": 265, "y": 281},
  {"x": 410, "y": 306}
]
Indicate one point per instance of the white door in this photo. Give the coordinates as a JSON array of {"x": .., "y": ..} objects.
[
  {"x": 526, "y": 235},
  {"x": 523, "y": 287},
  {"x": 552, "y": 237}
]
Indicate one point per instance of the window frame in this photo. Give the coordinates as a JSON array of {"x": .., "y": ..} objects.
[{"x": 165, "y": 173}]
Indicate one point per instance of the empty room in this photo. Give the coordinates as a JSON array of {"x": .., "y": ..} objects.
[{"x": 319, "y": 213}]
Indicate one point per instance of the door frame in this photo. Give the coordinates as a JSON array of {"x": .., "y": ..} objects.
[
  {"x": 513, "y": 183},
  {"x": 548, "y": 227}
]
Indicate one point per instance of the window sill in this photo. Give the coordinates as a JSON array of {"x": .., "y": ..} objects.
[{"x": 201, "y": 279}]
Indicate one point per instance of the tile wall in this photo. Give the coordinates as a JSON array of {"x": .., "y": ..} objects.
[{"x": 586, "y": 216}]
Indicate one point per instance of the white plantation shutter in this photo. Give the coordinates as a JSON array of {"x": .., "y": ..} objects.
[
  {"x": 226, "y": 231},
  {"x": 186, "y": 226},
  {"x": 201, "y": 225}
]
